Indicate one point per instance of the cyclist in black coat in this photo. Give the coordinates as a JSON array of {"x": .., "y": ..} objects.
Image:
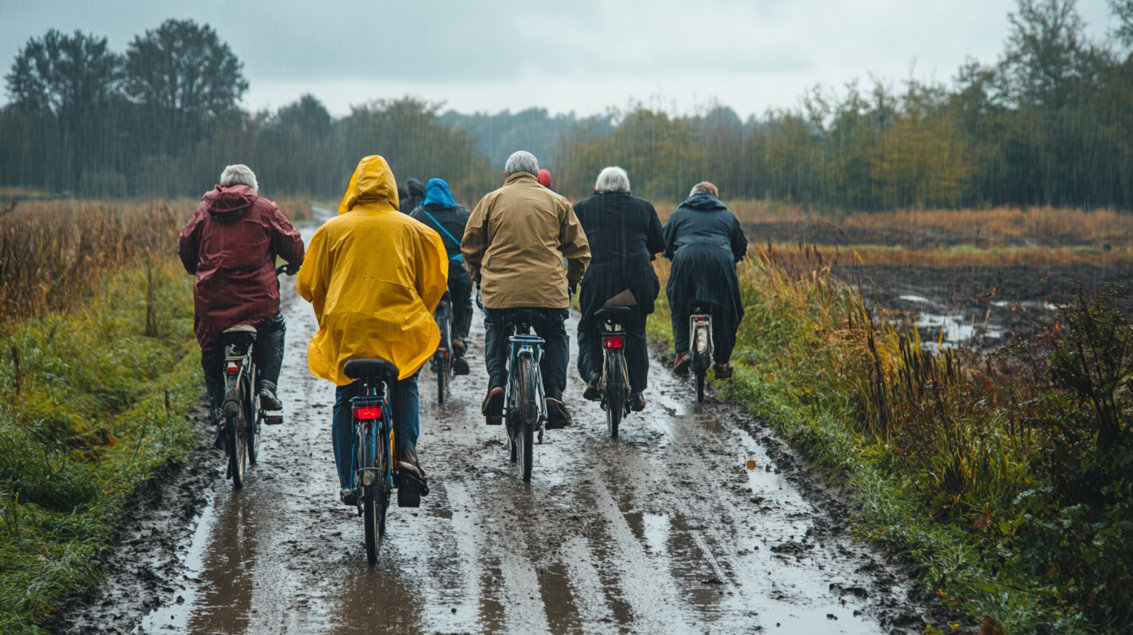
[
  {"x": 704, "y": 240},
  {"x": 625, "y": 237},
  {"x": 439, "y": 212}
]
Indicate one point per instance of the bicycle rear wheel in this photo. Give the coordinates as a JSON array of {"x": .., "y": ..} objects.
[
  {"x": 700, "y": 374},
  {"x": 237, "y": 449},
  {"x": 441, "y": 378},
  {"x": 373, "y": 519},
  {"x": 615, "y": 391},
  {"x": 528, "y": 416}
]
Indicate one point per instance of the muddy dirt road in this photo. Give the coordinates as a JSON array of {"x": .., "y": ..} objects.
[{"x": 663, "y": 530}]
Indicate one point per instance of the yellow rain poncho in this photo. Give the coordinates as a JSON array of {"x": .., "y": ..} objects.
[{"x": 374, "y": 277}]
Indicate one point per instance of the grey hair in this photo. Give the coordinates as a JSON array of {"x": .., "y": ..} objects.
[
  {"x": 239, "y": 174},
  {"x": 704, "y": 187},
  {"x": 612, "y": 179},
  {"x": 522, "y": 161}
]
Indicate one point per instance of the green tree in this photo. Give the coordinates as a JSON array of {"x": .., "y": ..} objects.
[{"x": 185, "y": 76}]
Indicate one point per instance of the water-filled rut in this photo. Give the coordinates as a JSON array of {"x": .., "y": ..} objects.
[{"x": 665, "y": 529}]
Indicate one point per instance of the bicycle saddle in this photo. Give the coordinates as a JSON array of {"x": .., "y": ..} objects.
[
  {"x": 241, "y": 328},
  {"x": 375, "y": 368},
  {"x": 524, "y": 317},
  {"x": 613, "y": 313}
]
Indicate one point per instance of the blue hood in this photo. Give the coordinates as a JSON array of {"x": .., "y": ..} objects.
[
  {"x": 436, "y": 192},
  {"x": 703, "y": 203}
]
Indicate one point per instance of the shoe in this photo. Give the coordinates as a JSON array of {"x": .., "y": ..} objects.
[
  {"x": 458, "y": 347},
  {"x": 591, "y": 392},
  {"x": 460, "y": 366},
  {"x": 557, "y": 415},
  {"x": 269, "y": 400},
  {"x": 493, "y": 406},
  {"x": 637, "y": 402},
  {"x": 407, "y": 460},
  {"x": 348, "y": 497},
  {"x": 723, "y": 371},
  {"x": 681, "y": 363}
]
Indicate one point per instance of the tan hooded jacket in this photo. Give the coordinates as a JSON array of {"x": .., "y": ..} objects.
[{"x": 515, "y": 243}]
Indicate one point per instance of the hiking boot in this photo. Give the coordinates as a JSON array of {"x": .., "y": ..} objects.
[
  {"x": 348, "y": 497},
  {"x": 591, "y": 393},
  {"x": 458, "y": 347},
  {"x": 680, "y": 364},
  {"x": 557, "y": 415},
  {"x": 460, "y": 366},
  {"x": 410, "y": 479},
  {"x": 637, "y": 402},
  {"x": 268, "y": 399},
  {"x": 723, "y": 371}
]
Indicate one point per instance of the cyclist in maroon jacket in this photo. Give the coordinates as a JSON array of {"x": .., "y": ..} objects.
[{"x": 230, "y": 245}]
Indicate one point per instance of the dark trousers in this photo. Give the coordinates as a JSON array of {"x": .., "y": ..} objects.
[
  {"x": 556, "y": 349},
  {"x": 723, "y": 334},
  {"x": 636, "y": 350},
  {"x": 268, "y": 355},
  {"x": 460, "y": 295},
  {"x": 406, "y": 423}
]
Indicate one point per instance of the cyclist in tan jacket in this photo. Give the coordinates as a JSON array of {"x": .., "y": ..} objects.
[{"x": 514, "y": 246}]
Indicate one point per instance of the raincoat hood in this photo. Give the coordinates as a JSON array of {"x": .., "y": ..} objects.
[
  {"x": 229, "y": 199},
  {"x": 437, "y": 193},
  {"x": 372, "y": 186},
  {"x": 704, "y": 203}
]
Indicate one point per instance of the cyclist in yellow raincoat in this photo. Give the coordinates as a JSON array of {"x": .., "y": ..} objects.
[{"x": 374, "y": 277}]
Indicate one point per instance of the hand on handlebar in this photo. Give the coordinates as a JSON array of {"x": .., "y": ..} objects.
[{"x": 288, "y": 268}]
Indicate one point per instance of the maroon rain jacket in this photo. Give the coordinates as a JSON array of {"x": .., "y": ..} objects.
[{"x": 230, "y": 245}]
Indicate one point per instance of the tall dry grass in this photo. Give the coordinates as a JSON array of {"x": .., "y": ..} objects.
[{"x": 52, "y": 253}]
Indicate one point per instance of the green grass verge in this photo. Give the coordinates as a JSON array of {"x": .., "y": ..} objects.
[{"x": 99, "y": 407}]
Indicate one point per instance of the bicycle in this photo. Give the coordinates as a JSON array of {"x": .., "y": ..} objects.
[
  {"x": 243, "y": 417},
  {"x": 375, "y": 476},
  {"x": 700, "y": 346},
  {"x": 525, "y": 403},
  {"x": 614, "y": 385},
  {"x": 441, "y": 363}
]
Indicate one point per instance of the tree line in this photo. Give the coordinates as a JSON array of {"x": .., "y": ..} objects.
[
  {"x": 163, "y": 119},
  {"x": 1049, "y": 124}
]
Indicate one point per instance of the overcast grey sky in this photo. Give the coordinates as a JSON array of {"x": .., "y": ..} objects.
[{"x": 579, "y": 55}]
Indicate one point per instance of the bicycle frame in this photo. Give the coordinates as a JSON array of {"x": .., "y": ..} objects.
[
  {"x": 531, "y": 346},
  {"x": 370, "y": 415}
]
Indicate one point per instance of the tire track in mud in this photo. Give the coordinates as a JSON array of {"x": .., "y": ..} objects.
[{"x": 662, "y": 530}]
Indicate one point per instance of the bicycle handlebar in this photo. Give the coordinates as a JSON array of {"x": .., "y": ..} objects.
[{"x": 283, "y": 269}]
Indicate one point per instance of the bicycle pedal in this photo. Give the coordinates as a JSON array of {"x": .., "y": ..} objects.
[
  {"x": 274, "y": 419},
  {"x": 493, "y": 421},
  {"x": 406, "y": 498}
]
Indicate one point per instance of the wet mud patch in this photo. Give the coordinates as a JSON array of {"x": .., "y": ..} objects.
[{"x": 144, "y": 570}]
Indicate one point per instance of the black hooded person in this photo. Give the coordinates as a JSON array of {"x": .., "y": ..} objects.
[
  {"x": 704, "y": 240},
  {"x": 625, "y": 237}
]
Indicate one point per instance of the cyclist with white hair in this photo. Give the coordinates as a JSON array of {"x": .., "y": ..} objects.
[
  {"x": 704, "y": 240},
  {"x": 514, "y": 245},
  {"x": 625, "y": 237},
  {"x": 230, "y": 245}
]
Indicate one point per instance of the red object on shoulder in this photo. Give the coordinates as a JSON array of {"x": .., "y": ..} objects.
[
  {"x": 545, "y": 178},
  {"x": 230, "y": 245}
]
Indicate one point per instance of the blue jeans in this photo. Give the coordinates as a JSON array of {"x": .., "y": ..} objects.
[{"x": 406, "y": 423}]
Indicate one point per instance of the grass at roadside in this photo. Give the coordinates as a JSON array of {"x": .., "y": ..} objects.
[
  {"x": 1006, "y": 485},
  {"x": 93, "y": 408}
]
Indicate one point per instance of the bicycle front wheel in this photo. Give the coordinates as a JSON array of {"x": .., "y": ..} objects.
[{"x": 528, "y": 415}]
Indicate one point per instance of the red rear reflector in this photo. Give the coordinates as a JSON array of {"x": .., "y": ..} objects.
[
  {"x": 365, "y": 414},
  {"x": 616, "y": 341},
  {"x": 232, "y": 367}
]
